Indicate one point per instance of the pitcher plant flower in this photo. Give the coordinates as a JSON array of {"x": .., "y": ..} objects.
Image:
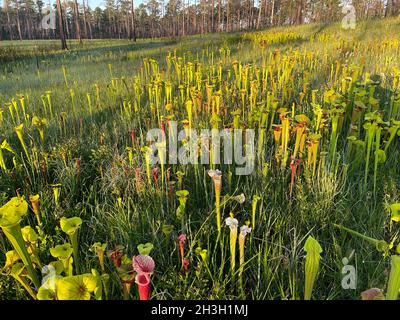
[
  {"x": 144, "y": 267},
  {"x": 71, "y": 226},
  {"x": 127, "y": 275},
  {"x": 312, "y": 151},
  {"x": 145, "y": 249},
  {"x": 63, "y": 252},
  {"x": 244, "y": 231},
  {"x": 181, "y": 243},
  {"x": 372, "y": 294},
  {"x": 186, "y": 265},
  {"x": 18, "y": 272},
  {"x": 232, "y": 223},
  {"x": 180, "y": 175},
  {"x": 372, "y": 125},
  {"x": 35, "y": 202},
  {"x": 115, "y": 255},
  {"x": 154, "y": 173},
  {"x": 254, "y": 203},
  {"x": 203, "y": 253},
  {"x": 31, "y": 241},
  {"x": 19, "y": 130},
  {"x": 216, "y": 176},
  {"x": 182, "y": 198},
  {"x": 40, "y": 124},
  {"x": 147, "y": 152},
  {"x": 301, "y": 132},
  {"x": 80, "y": 287},
  {"x": 395, "y": 212},
  {"x": 56, "y": 192},
  {"x": 285, "y": 135},
  {"x": 138, "y": 181},
  {"x": 167, "y": 231},
  {"x": 294, "y": 164},
  {"x": 4, "y": 146},
  {"x": 14, "y": 268},
  {"x": 100, "y": 248}
]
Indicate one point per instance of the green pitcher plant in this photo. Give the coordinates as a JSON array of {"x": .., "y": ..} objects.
[
  {"x": 311, "y": 266},
  {"x": 11, "y": 214}
]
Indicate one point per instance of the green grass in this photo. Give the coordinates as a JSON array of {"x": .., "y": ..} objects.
[{"x": 274, "y": 250}]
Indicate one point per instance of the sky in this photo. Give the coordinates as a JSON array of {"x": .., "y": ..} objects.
[
  {"x": 96, "y": 3},
  {"x": 100, "y": 3},
  {"x": 92, "y": 3}
]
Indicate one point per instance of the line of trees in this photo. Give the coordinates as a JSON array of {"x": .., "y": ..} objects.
[{"x": 21, "y": 19}]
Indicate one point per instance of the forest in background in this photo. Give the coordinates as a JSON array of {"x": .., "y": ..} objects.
[{"x": 21, "y": 19}]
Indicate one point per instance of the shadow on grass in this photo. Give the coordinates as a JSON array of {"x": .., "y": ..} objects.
[{"x": 16, "y": 55}]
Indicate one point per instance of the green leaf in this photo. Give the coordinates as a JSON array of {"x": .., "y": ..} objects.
[
  {"x": 46, "y": 294},
  {"x": 70, "y": 225},
  {"x": 182, "y": 193},
  {"x": 13, "y": 211},
  {"x": 99, "y": 247},
  {"x": 167, "y": 229},
  {"x": 61, "y": 251},
  {"x": 381, "y": 245},
  {"x": 76, "y": 287},
  {"x": 58, "y": 267},
  {"x": 313, "y": 249},
  {"x": 395, "y": 212},
  {"x": 381, "y": 155},
  {"x": 394, "y": 279},
  {"x": 11, "y": 257},
  {"x": 48, "y": 290},
  {"x": 29, "y": 234},
  {"x": 145, "y": 249}
]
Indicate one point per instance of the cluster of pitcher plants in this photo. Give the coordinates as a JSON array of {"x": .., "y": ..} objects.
[{"x": 306, "y": 133}]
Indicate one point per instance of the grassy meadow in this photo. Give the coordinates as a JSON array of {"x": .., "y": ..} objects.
[{"x": 324, "y": 104}]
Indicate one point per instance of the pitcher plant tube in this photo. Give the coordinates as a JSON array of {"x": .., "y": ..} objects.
[
  {"x": 71, "y": 226},
  {"x": 216, "y": 176},
  {"x": 11, "y": 215}
]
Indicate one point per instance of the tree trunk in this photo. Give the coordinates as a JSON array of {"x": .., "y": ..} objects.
[
  {"x": 28, "y": 27},
  {"x": 85, "y": 30},
  {"x": 90, "y": 29},
  {"x": 227, "y": 16},
  {"x": 259, "y": 14},
  {"x": 212, "y": 16},
  {"x": 219, "y": 15},
  {"x": 183, "y": 18},
  {"x": 28, "y": 22},
  {"x": 77, "y": 26},
  {"x": 249, "y": 15},
  {"x": 188, "y": 18},
  {"x": 61, "y": 26},
  {"x": 238, "y": 18},
  {"x": 389, "y": 8},
  {"x": 203, "y": 14},
  {"x": 272, "y": 13},
  {"x": 299, "y": 15},
  {"x": 133, "y": 33},
  {"x": 8, "y": 20},
  {"x": 195, "y": 16},
  {"x": 65, "y": 19},
  {"x": 18, "y": 21}
]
